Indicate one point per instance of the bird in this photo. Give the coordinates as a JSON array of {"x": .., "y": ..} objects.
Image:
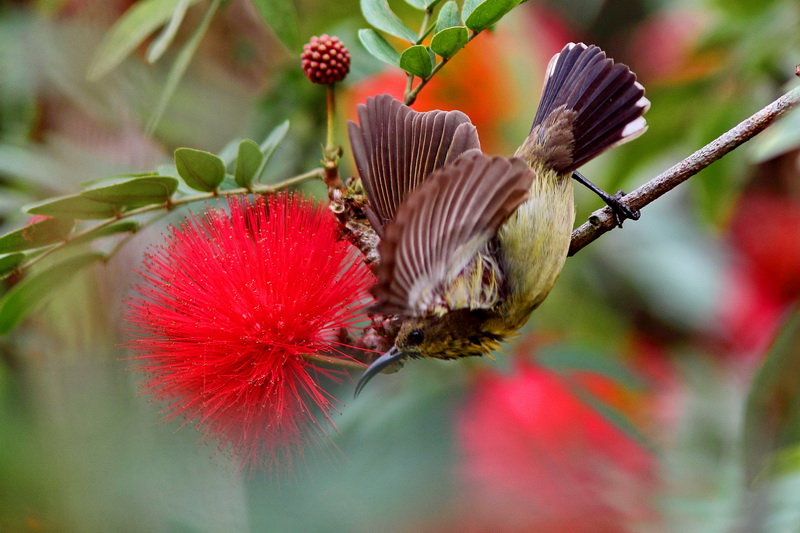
[{"x": 471, "y": 244}]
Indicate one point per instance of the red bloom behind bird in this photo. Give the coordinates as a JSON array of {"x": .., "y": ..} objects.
[
  {"x": 231, "y": 305},
  {"x": 536, "y": 458}
]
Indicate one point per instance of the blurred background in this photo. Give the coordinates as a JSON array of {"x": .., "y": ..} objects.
[{"x": 622, "y": 406}]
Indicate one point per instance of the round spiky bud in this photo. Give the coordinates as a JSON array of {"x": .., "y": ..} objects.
[{"x": 325, "y": 60}]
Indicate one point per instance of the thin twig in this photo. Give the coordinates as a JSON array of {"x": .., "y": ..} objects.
[{"x": 603, "y": 220}]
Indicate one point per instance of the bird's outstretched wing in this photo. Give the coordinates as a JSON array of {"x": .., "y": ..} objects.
[
  {"x": 436, "y": 255},
  {"x": 397, "y": 148}
]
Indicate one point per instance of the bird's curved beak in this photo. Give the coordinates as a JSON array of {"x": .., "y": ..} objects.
[{"x": 379, "y": 365}]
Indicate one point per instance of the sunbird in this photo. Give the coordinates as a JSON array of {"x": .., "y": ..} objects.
[{"x": 472, "y": 244}]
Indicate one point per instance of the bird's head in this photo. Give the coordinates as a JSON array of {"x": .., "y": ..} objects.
[{"x": 457, "y": 334}]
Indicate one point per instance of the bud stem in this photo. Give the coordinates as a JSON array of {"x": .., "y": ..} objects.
[{"x": 332, "y": 151}]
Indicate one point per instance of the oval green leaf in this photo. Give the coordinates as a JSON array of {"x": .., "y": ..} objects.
[
  {"x": 33, "y": 290},
  {"x": 449, "y": 41},
  {"x": 8, "y": 263},
  {"x": 379, "y": 15},
  {"x": 377, "y": 46},
  {"x": 448, "y": 16},
  {"x": 35, "y": 235},
  {"x": 488, "y": 13},
  {"x": 142, "y": 19},
  {"x": 417, "y": 60},
  {"x": 202, "y": 171},
  {"x": 73, "y": 206},
  {"x": 134, "y": 192},
  {"x": 248, "y": 161},
  {"x": 469, "y": 7}
]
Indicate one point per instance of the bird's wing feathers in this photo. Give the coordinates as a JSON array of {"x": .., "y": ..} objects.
[
  {"x": 396, "y": 149},
  {"x": 445, "y": 228}
]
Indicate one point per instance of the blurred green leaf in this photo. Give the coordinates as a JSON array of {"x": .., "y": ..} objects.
[
  {"x": 73, "y": 206},
  {"x": 449, "y": 41},
  {"x": 123, "y": 226},
  {"x": 417, "y": 60},
  {"x": 772, "y": 412},
  {"x": 248, "y": 161},
  {"x": 9, "y": 262},
  {"x": 379, "y": 15},
  {"x": 129, "y": 31},
  {"x": 281, "y": 17},
  {"x": 448, "y": 16},
  {"x": 782, "y": 137},
  {"x": 35, "y": 235},
  {"x": 165, "y": 38},
  {"x": 33, "y": 290},
  {"x": 570, "y": 358},
  {"x": 180, "y": 65},
  {"x": 132, "y": 192},
  {"x": 378, "y": 47},
  {"x": 270, "y": 144},
  {"x": 202, "y": 171},
  {"x": 488, "y": 13}
]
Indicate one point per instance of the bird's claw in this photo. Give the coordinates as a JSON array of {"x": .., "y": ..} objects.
[{"x": 621, "y": 210}]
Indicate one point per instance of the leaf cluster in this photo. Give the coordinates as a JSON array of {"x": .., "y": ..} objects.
[
  {"x": 449, "y": 27},
  {"x": 117, "y": 206}
]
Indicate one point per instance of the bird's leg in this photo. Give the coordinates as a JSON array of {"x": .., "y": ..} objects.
[{"x": 621, "y": 211}]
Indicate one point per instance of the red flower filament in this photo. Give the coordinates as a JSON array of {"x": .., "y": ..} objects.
[{"x": 230, "y": 306}]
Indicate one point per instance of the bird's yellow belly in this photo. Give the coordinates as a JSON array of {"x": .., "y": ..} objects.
[{"x": 534, "y": 243}]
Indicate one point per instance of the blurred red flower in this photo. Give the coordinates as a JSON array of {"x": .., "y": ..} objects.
[
  {"x": 230, "y": 306},
  {"x": 536, "y": 458},
  {"x": 765, "y": 280}
]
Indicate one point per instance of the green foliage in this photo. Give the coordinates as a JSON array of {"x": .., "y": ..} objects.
[
  {"x": 128, "y": 192},
  {"x": 248, "y": 161},
  {"x": 448, "y": 34},
  {"x": 281, "y": 18},
  {"x": 142, "y": 19},
  {"x": 32, "y": 291},
  {"x": 37, "y": 234},
  {"x": 772, "y": 418}
]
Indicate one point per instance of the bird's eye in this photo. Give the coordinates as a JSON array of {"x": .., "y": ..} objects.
[{"x": 415, "y": 337}]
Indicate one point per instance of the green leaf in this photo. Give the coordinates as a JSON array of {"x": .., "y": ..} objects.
[
  {"x": 180, "y": 65},
  {"x": 488, "y": 13},
  {"x": 378, "y": 47},
  {"x": 449, "y": 41},
  {"x": 36, "y": 235},
  {"x": 423, "y": 5},
  {"x": 10, "y": 262},
  {"x": 248, "y": 161},
  {"x": 417, "y": 60},
  {"x": 123, "y": 226},
  {"x": 270, "y": 144},
  {"x": 132, "y": 192},
  {"x": 73, "y": 206},
  {"x": 165, "y": 38},
  {"x": 379, "y": 15},
  {"x": 281, "y": 17},
  {"x": 202, "y": 171},
  {"x": 448, "y": 16},
  {"x": 129, "y": 31},
  {"x": 469, "y": 7},
  {"x": 33, "y": 290},
  {"x": 772, "y": 411}
]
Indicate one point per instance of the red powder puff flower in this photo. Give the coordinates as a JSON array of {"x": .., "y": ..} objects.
[
  {"x": 230, "y": 306},
  {"x": 537, "y": 458}
]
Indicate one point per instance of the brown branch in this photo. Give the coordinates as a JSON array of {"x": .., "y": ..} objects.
[{"x": 603, "y": 220}]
